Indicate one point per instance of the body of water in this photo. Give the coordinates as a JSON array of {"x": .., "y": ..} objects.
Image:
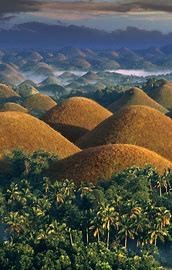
[{"x": 139, "y": 72}]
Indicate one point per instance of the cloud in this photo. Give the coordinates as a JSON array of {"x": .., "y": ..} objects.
[
  {"x": 122, "y": 6},
  {"x": 84, "y": 6},
  {"x": 16, "y": 6}
]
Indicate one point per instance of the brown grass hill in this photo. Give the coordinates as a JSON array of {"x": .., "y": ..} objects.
[
  {"x": 26, "y": 90},
  {"x": 49, "y": 80},
  {"x": 39, "y": 103},
  {"x": 135, "y": 96},
  {"x": 163, "y": 94},
  {"x": 76, "y": 116},
  {"x": 23, "y": 131},
  {"x": 137, "y": 125},
  {"x": 7, "y": 93},
  {"x": 91, "y": 76},
  {"x": 99, "y": 163},
  {"x": 10, "y": 75},
  {"x": 10, "y": 106}
]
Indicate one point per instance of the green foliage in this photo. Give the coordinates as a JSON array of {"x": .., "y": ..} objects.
[{"x": 119, "y": 225}]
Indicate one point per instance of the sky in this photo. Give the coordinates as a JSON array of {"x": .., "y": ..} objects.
[{"x": 108, "y": 15}]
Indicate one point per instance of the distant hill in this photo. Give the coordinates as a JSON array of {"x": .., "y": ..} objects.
[
  {"x": 163, "y": 94},
  {"x": 99, "y": 163},
  {"x": 135, "y": 96},
  {"x": 10, "y": 75},
  {"x": 7, "y": 93},
  {"x": 39, "y": 103},
  {"x": 10, "y": 106}
]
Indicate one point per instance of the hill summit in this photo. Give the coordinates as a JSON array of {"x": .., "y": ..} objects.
[
  {"x": 99, "y": 163},
  {"x": 135, "y": 96},
  {"x": 76, "y": 116},
  {"x": 137, "y": 125}
]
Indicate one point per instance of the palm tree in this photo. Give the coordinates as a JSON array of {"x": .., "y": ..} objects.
[
  {"x": 156, "y": 233},
  {"x": 163, "y": 216},
  {"x": 107, "y": 215},
  {"x": 96, "y": 227},
  {"x": 127, "y": 229}
]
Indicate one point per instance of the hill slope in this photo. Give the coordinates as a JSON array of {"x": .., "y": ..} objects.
[
  {"x": 10, "y": 106},
  {"x": 163, "y": 95},
  {"x": 138, "y": 125},
  {"x": 20, "y": 130},
  {"x": 6, "y": 92},
  {"x": 76, "y": 116},
  {"x": 135, "y": 96},
  {"x": 101, "y": 162},
  {"x": 39, "y": 103}
]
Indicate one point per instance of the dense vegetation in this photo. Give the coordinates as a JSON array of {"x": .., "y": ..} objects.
[{"x": 121, "y": 224}]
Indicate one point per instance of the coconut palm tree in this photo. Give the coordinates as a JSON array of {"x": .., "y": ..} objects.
[
  {"x": 96, "y": 227},
  {"x": 127, "y": 229},
  {"x": 156, "y": 233},
  {"x": 107, "y": 215}
]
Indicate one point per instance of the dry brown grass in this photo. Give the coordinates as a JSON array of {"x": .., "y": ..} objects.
[
  {"x": 39, "y": 103},
  {"x": 76, "y": 116},
  {"x": 23, "y": 131},
  {"x": 101, "y": 162},
  {"x": 7, "y": 92},
  {"x": 10, "y": 106},
  {"x": 135, "y": 96},
  {"x": 163, "y": 95},
  {"x": 137, "y": 125}
]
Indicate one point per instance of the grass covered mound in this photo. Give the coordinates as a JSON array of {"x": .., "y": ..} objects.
[
  {"x": 135, "y": 96},
  {"x": 23, "y": 131},
  {"x": 101, "y": 162},
  {"x": 26, "y": 90},
  {"x": 11, "y": 106},
  {"x": 76, "y": 116},
  {"x": 163, "y": 95},
  {"x": 137, "y": 125},
  {"x": 39, "y": 103},
  {"x": 7, "y": 92}
]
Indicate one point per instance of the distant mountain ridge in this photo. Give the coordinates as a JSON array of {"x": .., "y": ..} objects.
[{"x": 33, "y": 36}]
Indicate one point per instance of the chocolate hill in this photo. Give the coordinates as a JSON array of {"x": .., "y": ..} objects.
[
  {"x": 137, "y": 125},
  {"x": 135, "y": 96},
  {"x": 76, "y": 116},
  {"x": 99, "y": 163},
  {"x": 7, "y": 93},
  {"x": 23, "y": 131},
  {"x": 39, "y": 103},
  {"x": 10, "y": 106},
  {"x": 163, "y": 94}
]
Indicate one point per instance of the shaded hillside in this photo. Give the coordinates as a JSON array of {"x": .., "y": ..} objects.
[
  {"x": 20, "y": 130},
  {"x": 10, "y": 106},
  {"x": 39, "y": 103},
  {"x": 7, "y": 93},
  {"x": 99, "y": 163},
  {"x": 138, "y": 125},
  {"x": 163, "y": 95},
  {"x": 76, "y": 116},
  {"x": 135, "y": 96},
  {"x": 26, "y": 90}
]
